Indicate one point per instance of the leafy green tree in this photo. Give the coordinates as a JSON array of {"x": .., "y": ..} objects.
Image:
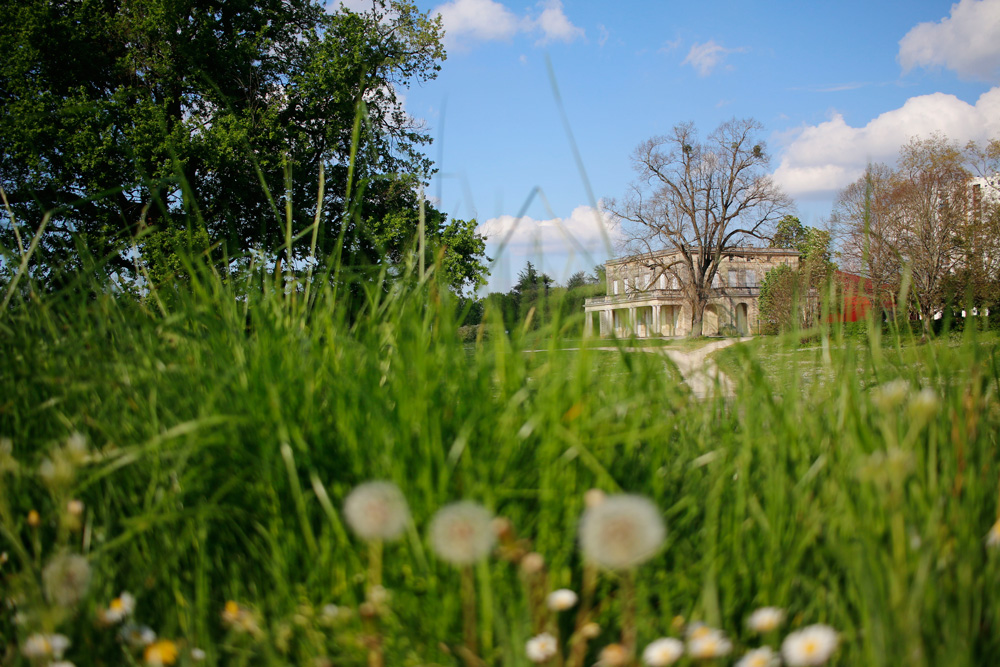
[{"x": 132, "y": 119}]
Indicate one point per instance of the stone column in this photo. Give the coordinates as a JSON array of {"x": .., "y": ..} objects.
[
  {"x": 633, "y": 322},
  {"x": 588, "y": 324},
  {"x": 657, "y": 327}
]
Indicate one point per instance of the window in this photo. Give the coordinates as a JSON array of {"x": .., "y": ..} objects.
[
  {"x": 674, "y": 283},
  {"x": 616, "y": 286},
  {"x": 716, "y": 281},
  {"x": 751, "y": 278},
  {"x": 734, "y": 278},
  {"x": 663, "y": 281}
]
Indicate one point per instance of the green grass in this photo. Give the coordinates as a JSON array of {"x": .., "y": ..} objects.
[{"x": 804, "y": 495}]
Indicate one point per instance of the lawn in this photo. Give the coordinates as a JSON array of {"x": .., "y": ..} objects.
[{"x": 195, "y": 449}]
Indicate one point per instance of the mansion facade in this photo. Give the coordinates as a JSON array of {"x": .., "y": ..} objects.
[{"x": 645, "y": 301}]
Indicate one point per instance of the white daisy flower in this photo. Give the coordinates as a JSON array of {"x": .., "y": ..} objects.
[
  {"x": 621, "y": 532},
  {"x": 377, "y": 511},
  {"x": 119, "y": 609},
  {"x": 662, "y": 652},
  {"x": 759, "y": 657},
  {"x": 461, "y": 533},
  {"x": 197, "y": 654},
  {"x": 765, "y": 619},
  {"x": 812, "y": 645},
  {"x": 561, "y": 600},
  {"x": 708, "y": 645},
  {"x": 541, "y": 648},
  {"x": 44, "y": 646}
]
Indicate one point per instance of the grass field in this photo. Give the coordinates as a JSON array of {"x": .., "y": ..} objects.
[{"x": 195, "y": 449}]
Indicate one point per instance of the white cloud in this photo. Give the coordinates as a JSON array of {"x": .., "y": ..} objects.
[
  {"x": 967, "y": 42},
  {"x": 468, "y": 21},
  {"x": 586, "y": 229},
  {"x": 706, "y": 57},
  {"x": 819, "y": 160},
  {"x": 603, "y": 39},
  {"x": 554, "y": 25},
  {"x": 482, "y": 20}
]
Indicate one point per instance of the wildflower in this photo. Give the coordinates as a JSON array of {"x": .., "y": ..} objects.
[
  {"x": 34, "y": 520},
  {"x": 993, "y": 537},
  {"x": 887, "y": 396},
  {"x": 759, "y": 657},
  {"x": 76, "y": 447},
  {"x": 137, "y": 635},
  {"x": 613, "y": 655},
  {"x": 44, "y": 646},
  {"x": 765, "y": 619},
  {"x": 120, "y": 608},
  {"x": 460, "y": 533},
  {"x": 924, "y": 404},
  {"x": 697, "y": 629},
  {"x": 197, "y": 655},
  {"x": 66, "y": 579},
  {"x": 231, "y": 612},
  {"x": 621, "y": 532},
  {"x": 590, "y": 630},
  {"x": 533, "y": 563},
  {"x": 708, "y": 644},
  {"x": 541, "y": 647},
  {"x": 812, "y": 645},
  {"x": 240, "y": 619},
  {"x": 57, "y": 471},
  {"x": 377, "y": 511},
  {"x": 162, "y": 652},
  {"x": 561, "y": 600},
  {"x": 75, "y": 507},
  {"x": 663, "y": 652}
]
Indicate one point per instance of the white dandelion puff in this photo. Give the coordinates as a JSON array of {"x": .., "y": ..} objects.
[
  {"x": 759, "y": 657},
  {"x": 662, "y": 652},
  {"x": 887, "y": 396},
  {"x": 377, "y": 511},
  {"x": 461, "y": 533},
  {"x": 812, "y": 645},
  {"x": 66, "y": 579},
  {"x": 708, "y": 645},
  {"x": 765, "y": 619},
  {"x": 561, "y": 600},
  {"x": 621, "y": 532},
  {"x": 541, "y": 648}
]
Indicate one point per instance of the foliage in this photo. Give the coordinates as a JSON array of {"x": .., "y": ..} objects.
[{"x": 123, "y": 117}]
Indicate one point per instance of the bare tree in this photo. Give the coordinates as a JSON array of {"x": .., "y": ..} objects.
[
  {"x": 931, "y": 194},
  {"x": 699, "y": 198},
  {"x": 866, "y": 219}
]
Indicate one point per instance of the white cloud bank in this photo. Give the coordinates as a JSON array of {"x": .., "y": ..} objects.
[
  {"x": 820, "y": 160},
  {"x": 704, "y": 58},
  {"x": 967, "y": 41},
  {"x": 584, "y": 231},
  {"x": 468, "y": 21}
]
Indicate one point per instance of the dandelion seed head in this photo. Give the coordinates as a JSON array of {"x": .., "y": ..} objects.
[
  {"x": 812, "y": 645},
  {"x": 924, "y": 404},
  {"x": 161, "y": 652},
  {"x": 197, "y": 655},
  {"x": 622, "y": 532},
  {"x": 561, "y": 600},
  {"x": 461, "y": 533},
  {"x": 709, "y": 645},
  {"x": 662, "y": 652},
  {"x": 66, "y": 579},
  {"x": 765, "y": 619},
  {"x": 890, "y": 394},
  {"x": 541, "y": 647},
  {"x": 377, "y": 511},
  {"x": 759, "y": 657}
]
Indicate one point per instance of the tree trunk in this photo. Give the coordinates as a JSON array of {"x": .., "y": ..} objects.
[{"x": 697, "y": 319}]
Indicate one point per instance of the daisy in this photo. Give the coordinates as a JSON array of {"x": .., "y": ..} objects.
[
  {"x": 561, "y": 600},
  {"x": 765, "y": 619},
  {"x": 162, "y": 652},
  {"x": 663, "y": 652},
  {"x": 709, "y": 644},
  {"x": 119, "y": 609},
  {"x": 759, "y": 657},
  {"x": 812, "y": 645},
  {"x": 541, "y": 647}
]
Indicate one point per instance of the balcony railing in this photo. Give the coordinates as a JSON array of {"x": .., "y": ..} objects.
[{"x": 666, "y": 294}]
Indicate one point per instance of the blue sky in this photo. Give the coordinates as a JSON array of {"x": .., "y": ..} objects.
[{"x": 835, "y": 84}]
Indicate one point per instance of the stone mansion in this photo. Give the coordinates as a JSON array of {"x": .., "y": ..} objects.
[{"x": 646, "y": 302}]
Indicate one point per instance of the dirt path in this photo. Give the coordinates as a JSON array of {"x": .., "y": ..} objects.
[{"x": 701, "y": 374}]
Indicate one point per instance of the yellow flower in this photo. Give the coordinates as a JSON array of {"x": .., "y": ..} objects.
[{"x": 162, "y": 652}]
